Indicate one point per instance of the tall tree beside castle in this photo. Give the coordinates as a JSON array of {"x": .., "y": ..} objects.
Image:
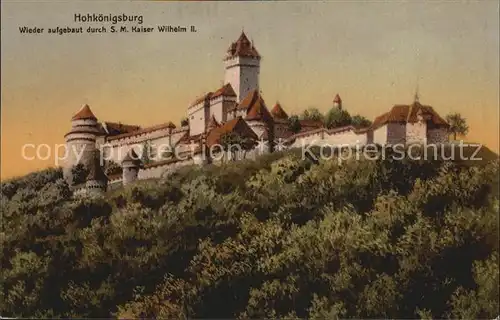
[
  {"x": 360, "y": 122},
  {"x": 232, "y": 143},
  {"x": 112, "y": 168},
  {"x": 294, "y": 124},
  {"x": 458, "y": 125},
  {"x": 312, "y": 114},
  {"x": 337, "y": 118}
]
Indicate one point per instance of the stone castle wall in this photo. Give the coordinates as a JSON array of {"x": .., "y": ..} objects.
[
  {"x": 380, "y": 135},
  {"x": 158, "y": 171},
  {"x": 416, "y": 132},
  {"x": 346, "y": 138},
  {"x": 396, "y": 133},
  {"x": 197, "y": 118},
  {"x": 216, "y": 109},
  {"x": 438, "y": 135},
  {"x": 323, "y": 137},
  {"x": 116, "y": 150}
]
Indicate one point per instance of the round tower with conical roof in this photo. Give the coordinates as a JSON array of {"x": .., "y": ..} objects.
[
  {"x": 80, "y": 142},
  {"x": 242, "y": 64}
]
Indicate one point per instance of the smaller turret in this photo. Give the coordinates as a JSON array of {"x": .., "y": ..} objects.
[
  {"x": 130, "y": 167},
  {"x": 337, "y": 102}
]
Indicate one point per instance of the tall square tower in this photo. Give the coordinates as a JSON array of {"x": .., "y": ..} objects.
[{"x": 242, "y": 64}]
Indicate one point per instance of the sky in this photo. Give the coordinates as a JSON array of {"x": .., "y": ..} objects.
[{"x": 373, "y": 53}]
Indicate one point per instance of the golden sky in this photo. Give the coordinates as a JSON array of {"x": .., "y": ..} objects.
[{"x": 371, "y": 53}]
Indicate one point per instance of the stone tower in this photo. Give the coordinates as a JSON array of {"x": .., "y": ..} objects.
[
  {"x": 242, "y": 63},
  {"x": 80, "y": 142},
  {"x": 130, "y": 167}
]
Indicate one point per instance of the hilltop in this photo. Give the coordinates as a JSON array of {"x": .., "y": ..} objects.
[{"x": 277, "y": 237}]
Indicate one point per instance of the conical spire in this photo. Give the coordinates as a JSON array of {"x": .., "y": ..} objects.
[
  {"x": 337, "y": 102},
  {"x": 337, "y": 99},
  {"x": 84, "y": 113},
  {"x": 278, "y": 112},
  {"x": 416, "y": 97},
  {"x": 242, "y": 48}
]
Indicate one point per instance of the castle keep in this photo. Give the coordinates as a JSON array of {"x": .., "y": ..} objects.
[{"x": 132, "y": 152}]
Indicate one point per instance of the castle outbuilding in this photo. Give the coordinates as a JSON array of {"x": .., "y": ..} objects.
[{"x": 130, "y": 167}]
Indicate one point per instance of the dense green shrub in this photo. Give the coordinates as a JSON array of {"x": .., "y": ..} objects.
[{"x": 279, "y": 237}]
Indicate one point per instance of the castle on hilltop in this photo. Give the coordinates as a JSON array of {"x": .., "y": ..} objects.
[{"x": 236, "y": 109}]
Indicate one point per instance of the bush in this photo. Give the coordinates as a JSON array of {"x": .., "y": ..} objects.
[
  {"x": 336, "y": 118},
  {"x": 279, "y": 237}
]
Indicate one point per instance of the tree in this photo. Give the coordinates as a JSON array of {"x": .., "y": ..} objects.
[
  {"x": 360, "y": 122},
  {"x": 146, "y": 155},
  {"x": 458, "y": 125},
  {"x": 294, "y": 124},
  {"x": 79, "y": 173},
  {"x": 184, "y": 122},
  {"x": 232, "y": 143},
  {"x": 337, "y": 118},
  {"x": 312, "y": 114},
  {"x": 112, "y": 168},
  {"x": 271, "y": 238}
]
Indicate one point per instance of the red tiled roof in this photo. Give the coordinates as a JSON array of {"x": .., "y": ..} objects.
[
  {"x": 242, "y": 48},
  {"x": 236, "y": 125},
  {"x": 226, "y": 91},
  {"x": 143, "y": 131},
  {"x": 278, "y": 112},
  {"x": 114, "y": 128},
  {"x": 203, "y": 98},
  {"x": 255, "y": 107},
  {"x": 409, "y": 113},
  {"x": 84, "y": 113}
]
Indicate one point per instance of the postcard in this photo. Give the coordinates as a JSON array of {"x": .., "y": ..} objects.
[{"x": 249, "y": 159}]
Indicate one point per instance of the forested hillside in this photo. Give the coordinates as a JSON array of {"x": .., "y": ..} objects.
[{"x": 279, "y": 237}]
